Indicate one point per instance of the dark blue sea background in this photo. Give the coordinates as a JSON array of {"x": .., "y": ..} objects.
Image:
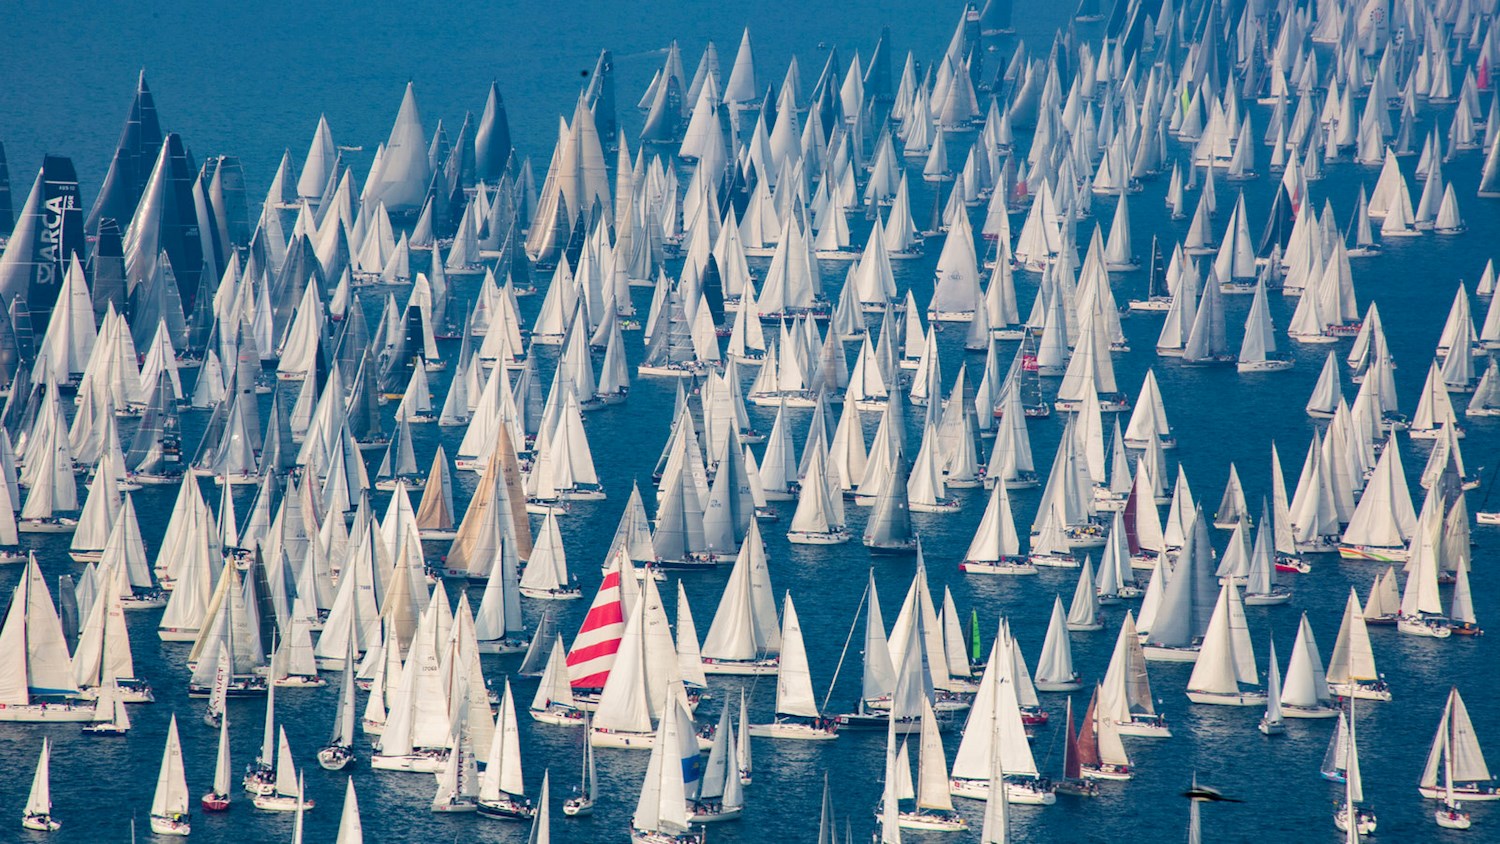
[{"x": 250, "y": 79}]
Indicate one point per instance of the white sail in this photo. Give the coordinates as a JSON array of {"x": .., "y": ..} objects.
[
  {"x": 794, "y": 691},
  {"x": 171, "y": 782}
]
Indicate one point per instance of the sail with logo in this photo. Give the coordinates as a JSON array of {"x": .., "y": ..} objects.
[{"x": 48, "y": 232}]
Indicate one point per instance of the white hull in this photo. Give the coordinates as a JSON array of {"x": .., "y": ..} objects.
[
  {"x": 170, "y": 826},
  {"x": 1466, "y": 792},
  {"x": 1019, "y": 793},
  {"x": 931, "y": 822},
  {"x": 32, "y": 713},
  {"x": 1426, "y": 628},
  {"x": 714, "y": 814},
  {"x": 419, "y": 763},
  {"x": 552, "y": 594},
  {"x": 502, "y": 646},
  {"x": 1108, "y": 773},
  {"x": 1144, "y": 729},
  {"x": 1360, "y": 691},
  {"x": 1001, "y": 567},
  {"x": 279, "y": 803},
  {"x": 804, "y": 537},
  {"x": 796, "y": 732},
  {"x": 632, "y": 741},
  {"x": 1158, "y": 653},
  {"x": 733, "y": 668},
  {"x": 558, "y": 716},
  {"x": 177, "y": 634},
  {"x": 1308, "y": 712},
  {"x": 1227, "y": 698}
]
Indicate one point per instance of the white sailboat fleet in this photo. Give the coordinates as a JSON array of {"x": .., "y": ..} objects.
[{"x": 725, "y": 215}]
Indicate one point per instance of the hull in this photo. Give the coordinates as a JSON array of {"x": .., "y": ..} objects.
[
  {"x": 1267, "y": 599},
  {"x": 177, "y": 634},
  {"x": 507, "y": 809},
  {"x": 714, "y": 814},
  {"x": 1227, "y": 698},
  {"x": 170, "y": 825},
  {"x": 1023, "y": 792},
  {"x": 421, "y": 763},
  {"x": 1008, "y": 566},
  {"x": 1372, "y": 554},
  {"x": 1145, "y": 726},
  {"x": 1308, "y": 712},
  {"x": 1430, "y": 628},
  {"x": 1055, "y": 561},
  {"x": 805, "y": 537},
  {"x": 552, "y": 594},
  {"x": 279, "y": 803},
  {"x": 502, "y": 646},
  {"x": 742, "y": 668},
  {"x": 932, "y": 822},
  {"x": 335, "y": 757},
  {"x": 46, "y": 525},
  {"x": 1469, "y": 792},
  {"x": 46, "y": 712},
  {"x": 578, "y": 807},
  {"x": 796, "y": 732},
  {"x": 40, "y": 823},
  {"x": 1109, "y": 773},
  {"x": 559, "y": 716},
  {"x": 1361, "y": 690},
  {"x": 1162, "y": 653}
]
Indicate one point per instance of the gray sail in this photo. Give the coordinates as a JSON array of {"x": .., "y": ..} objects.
[
  {"x": 140, "y": 144},
  {"x": 492, "y": 144}
]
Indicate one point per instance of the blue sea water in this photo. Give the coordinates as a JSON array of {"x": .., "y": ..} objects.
[{"x": 251, "y": 80}]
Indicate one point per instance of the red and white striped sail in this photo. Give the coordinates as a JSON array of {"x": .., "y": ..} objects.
[{"x": 593, "y": 653}]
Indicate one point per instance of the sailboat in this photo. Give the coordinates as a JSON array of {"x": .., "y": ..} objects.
[
  {"x": 339, "y": 752},
  {"x": 934, "y": 796},
  {"x": 1101, "y": 753},
  {"x": 1054, "y": 669},
  {"x": 1304, "y": 692},
  {"x": 37, "y": 672},
  {"x": 458, "y": 781},
  {"x": 721, "y": 795},
  {"x": 1072, "y": 782},
  {"x": 1272, "y": 723},
  {"x": 502, "y": 785},
  {"x": 546, "y": 572},
  {"x": 169, "y": 808},
  {"x": 1421, "y": 607},
  {"x": 743, "y": 637},
  {"x": 661, "y": 815},
  {"x": 1455, "y": 765},
  {"x": 1351, "y": 667},
  {"x": 996, "y": 547},
  {"x": 285, "y": 796},
  {"x": 111, "y": 717},
  {"x": 1226, "y": 660},
  {"x": 797, "y": 712},
  {"x": 38, "y": 814},
  {"x": 217, "y": 798},
  {"x": 1125, "y": 696},
  {"x": 582, "y": 803},
  {"x": 1354, "y": 794}
]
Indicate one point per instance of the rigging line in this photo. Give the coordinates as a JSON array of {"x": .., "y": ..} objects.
[{"x": 852, "y": 625}]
